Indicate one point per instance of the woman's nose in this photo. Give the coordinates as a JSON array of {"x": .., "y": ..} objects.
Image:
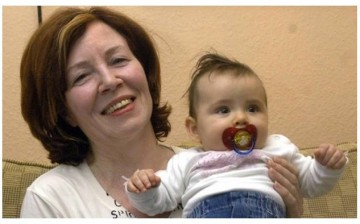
[{"x": 109, "y": 82}]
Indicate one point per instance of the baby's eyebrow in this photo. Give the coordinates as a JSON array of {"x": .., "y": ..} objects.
[
  {"x": 221, "y": 102},
  {"x": 256, "y": 100}
]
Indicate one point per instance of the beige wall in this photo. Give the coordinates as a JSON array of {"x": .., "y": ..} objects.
[{"x": 306, "y": 57}]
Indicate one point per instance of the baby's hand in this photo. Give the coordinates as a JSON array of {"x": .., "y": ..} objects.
[
  {"x": 329, "y": 156},
  {"x": 142, "y": 180}
]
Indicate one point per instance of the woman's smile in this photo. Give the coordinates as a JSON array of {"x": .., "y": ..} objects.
[{"x": 118, "y": 106}]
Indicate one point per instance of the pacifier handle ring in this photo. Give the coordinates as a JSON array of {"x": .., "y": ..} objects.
[{"x": 244, "y": 152}]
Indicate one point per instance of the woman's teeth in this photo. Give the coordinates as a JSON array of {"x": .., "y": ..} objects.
[{"x": 117, "y": 106}]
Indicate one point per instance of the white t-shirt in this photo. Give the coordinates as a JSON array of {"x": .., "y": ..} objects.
[
  {"x": 194, "y": 174},
  {"x": 73, "y": 192}
]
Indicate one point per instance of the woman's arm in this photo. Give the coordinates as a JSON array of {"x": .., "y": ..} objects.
[{"x": 286, "y": 183}]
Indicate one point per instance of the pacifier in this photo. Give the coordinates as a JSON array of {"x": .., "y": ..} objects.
[{"x": 241, "y": 140}]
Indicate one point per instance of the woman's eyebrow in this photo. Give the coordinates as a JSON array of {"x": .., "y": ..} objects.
[
  {"x": 114, "y": 49},
  {"x": 80, "y": 64}
]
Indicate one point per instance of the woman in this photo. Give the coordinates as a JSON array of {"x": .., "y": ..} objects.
[{"x": 90, "y": 93}]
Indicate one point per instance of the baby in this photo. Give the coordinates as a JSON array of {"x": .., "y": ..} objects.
[{"x": 228, "y": 176}]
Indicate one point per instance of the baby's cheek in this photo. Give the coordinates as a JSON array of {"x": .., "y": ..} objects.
[
  {"x": 213, "y": 144},
  {"x": 260, "y": 142}
]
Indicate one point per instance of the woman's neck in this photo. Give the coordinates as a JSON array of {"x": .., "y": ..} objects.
[
  {"x": 126, "y": 155},
  {"x": 116, "y": 158}
]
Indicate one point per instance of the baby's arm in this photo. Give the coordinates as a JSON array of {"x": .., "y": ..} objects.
[
  {"x": 318, "y": 175},
  {"x": 330, "y": 156},
  {"x": 142, "y": 180},
  {"x": 155, "y": 193}
]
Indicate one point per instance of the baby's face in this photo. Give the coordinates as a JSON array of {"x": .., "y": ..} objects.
[{"x": 225, "y": 100}]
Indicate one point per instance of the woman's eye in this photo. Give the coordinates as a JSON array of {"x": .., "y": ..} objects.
[
  {"x": 117, "y": 61},
  {"x": 222, "y": 110},
  {"x": 80, "y": 79}
]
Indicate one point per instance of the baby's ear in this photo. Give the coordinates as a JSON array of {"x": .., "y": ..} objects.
[{"x": 191, "y": 127}]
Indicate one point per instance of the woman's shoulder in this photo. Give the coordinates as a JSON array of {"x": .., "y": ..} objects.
[
  {"x": 59, "y": 177},
  {"x": 69, "y": 191}
]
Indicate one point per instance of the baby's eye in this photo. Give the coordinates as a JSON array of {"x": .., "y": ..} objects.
[
  {"x": 222, "y": 110},
  {"x": 253, "y": 109}
]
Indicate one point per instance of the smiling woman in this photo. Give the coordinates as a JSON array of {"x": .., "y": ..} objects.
[{"x": 99, "y": 73}]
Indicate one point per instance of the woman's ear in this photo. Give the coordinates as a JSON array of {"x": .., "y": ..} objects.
[{"x": 191, "y": 127}]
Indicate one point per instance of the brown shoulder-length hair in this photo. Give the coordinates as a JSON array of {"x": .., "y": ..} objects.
[{"x": 43, "y": 83}]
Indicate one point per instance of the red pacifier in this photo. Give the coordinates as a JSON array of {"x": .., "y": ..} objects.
[{"x": 242, "y": 140}]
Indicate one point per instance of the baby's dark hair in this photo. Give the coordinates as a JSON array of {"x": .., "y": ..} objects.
[{"x": 214, "y": 62}]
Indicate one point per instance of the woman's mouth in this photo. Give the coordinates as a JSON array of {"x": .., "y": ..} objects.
[{"x": 117, "y": 106}]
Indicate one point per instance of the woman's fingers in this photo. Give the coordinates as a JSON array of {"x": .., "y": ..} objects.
[{"x": 285, "y": 177}]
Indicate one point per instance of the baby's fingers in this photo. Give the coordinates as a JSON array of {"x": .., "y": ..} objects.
[
  {"x": 145, "y": 179},
  {"x": 140, "y": 180},
  {"x": 131, "y": 187},
  {"x": 337, "y": 161},
  {"x": 154, "y": 180},
  {"x": 149, "y": 178},
  {"x": 322, "y": 155}
]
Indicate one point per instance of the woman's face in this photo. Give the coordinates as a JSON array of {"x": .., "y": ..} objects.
[{"x": 108, "y": 94}]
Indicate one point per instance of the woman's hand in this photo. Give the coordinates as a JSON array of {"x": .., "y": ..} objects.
[{"x": 285, "y": 177}]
